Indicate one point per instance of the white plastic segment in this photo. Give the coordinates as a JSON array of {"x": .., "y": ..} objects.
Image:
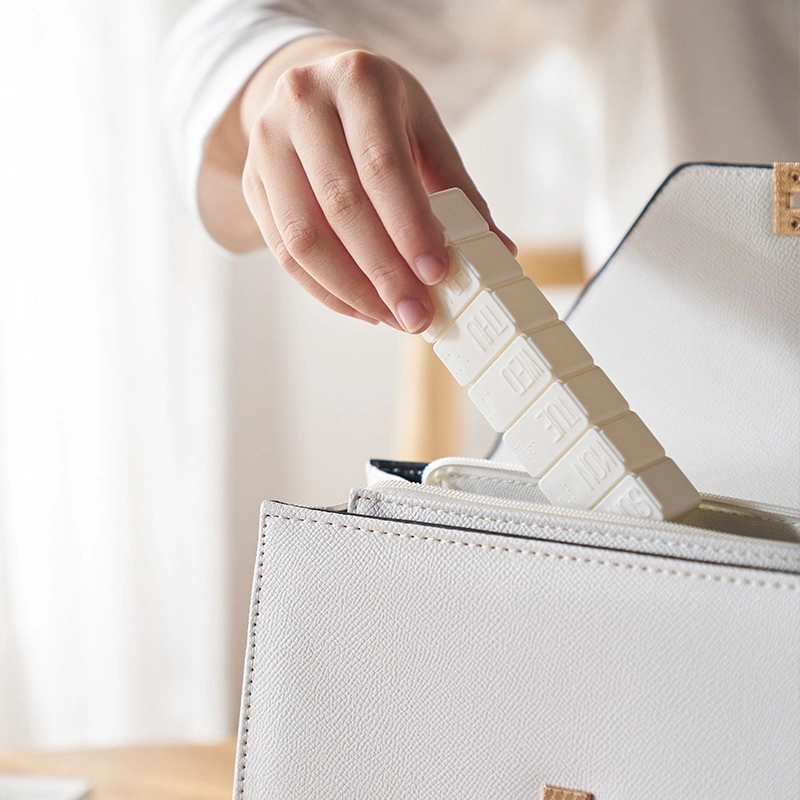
[
  {"x": 560, "y": 415},
  {"x": 661, "y": 491},
  {"x": 533, "y": 380},
  {"x": 488, "y": 324},
  {"x": 524, "y": 370},
  {"x": 599, "y": 460},
  {"x": 457, "y": 217},
  {"x": 464, "y": 281}
]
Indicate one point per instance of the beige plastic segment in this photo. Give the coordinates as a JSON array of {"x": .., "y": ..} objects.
[{"x": 534, "y": 381}]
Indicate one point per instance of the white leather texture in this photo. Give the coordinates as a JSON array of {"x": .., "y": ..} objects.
[
  {"x": 395, "y": 659},
  {"x": 696, "y": 320},
  {"x": 761, "y": 538}
]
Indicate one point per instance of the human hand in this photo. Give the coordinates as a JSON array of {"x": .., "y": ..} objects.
[{"x": 342, "y": 153}]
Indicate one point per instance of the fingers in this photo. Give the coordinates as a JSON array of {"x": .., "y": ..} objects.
[
  {"x": 325, "y": 219},
  {"x": 337, "y": 173},
  {"x": 348, "y": 209},
  {"x": 377, "y": 130},
  {"x": 259, "y": 206}
]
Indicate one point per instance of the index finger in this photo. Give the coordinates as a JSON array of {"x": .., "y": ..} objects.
[{"x": 378, "y": 132}]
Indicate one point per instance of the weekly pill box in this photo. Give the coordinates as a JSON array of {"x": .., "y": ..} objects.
[{"x": 534, "y": 381}]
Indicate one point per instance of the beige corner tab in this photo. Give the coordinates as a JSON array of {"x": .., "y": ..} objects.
[
  {"x": 560, "y": 793},
  {"x": 786, "y": 216}
]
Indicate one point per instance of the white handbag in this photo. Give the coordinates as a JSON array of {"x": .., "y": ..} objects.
[{"x": 461, "y": 638}]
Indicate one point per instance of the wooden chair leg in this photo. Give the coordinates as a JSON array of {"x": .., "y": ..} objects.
[{"x": 430, "y": 416}]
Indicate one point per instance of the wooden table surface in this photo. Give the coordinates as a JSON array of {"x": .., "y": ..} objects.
[{"x": 171, "y": 772}]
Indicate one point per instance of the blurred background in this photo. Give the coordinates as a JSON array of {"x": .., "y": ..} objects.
[{"x": 154, "y": 391}]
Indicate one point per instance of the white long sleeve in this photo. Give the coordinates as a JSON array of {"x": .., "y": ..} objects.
[
  {"x": 211, "y": 53},
  {"x": 218, "y": 44},
  {"x": 689, "y": 80}
]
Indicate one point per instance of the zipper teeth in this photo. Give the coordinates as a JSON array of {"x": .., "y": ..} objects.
[
  {"x": 733, "y": 503},
  {"x": 566, "y": 515},
  {"x": 521, "y": 505}
]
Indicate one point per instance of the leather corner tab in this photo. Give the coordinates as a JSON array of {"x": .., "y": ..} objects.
[
  {"x": 560, "y": 793},
  {"x": 786, "y": 211}
]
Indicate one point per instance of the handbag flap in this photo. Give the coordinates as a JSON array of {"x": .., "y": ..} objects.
[{"x": 695, "y": 319}]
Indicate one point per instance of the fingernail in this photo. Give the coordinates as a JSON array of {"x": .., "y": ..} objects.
[
  {"x": 412, "y": 315},
  {"x": 364, "y": 317},
  {"x": 430, "y": 269}
]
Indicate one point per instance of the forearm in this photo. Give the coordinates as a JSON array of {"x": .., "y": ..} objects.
[{"x": 221, "y": 202}]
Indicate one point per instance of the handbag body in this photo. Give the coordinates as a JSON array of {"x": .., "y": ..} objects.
[
  {"x": 450, "y": 634},
  {"x": 432, "y": 642}
]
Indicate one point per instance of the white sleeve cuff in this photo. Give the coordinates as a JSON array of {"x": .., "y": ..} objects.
[{"x": 206, "y": 63}]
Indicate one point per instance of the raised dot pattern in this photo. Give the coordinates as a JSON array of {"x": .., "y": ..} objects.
[{"x": 535, "y": 382}]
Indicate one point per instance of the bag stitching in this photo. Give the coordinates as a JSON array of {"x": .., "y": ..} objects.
[
  {"x": 251, "y": 662},
  {"x": 642, "y": 540},
  {"x": 543, "y": 554}
]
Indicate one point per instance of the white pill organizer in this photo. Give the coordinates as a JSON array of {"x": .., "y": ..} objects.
[{"x": 535, "y": 382}]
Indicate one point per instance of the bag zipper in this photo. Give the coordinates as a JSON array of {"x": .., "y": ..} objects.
[{"x": 709, "y": 501}]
